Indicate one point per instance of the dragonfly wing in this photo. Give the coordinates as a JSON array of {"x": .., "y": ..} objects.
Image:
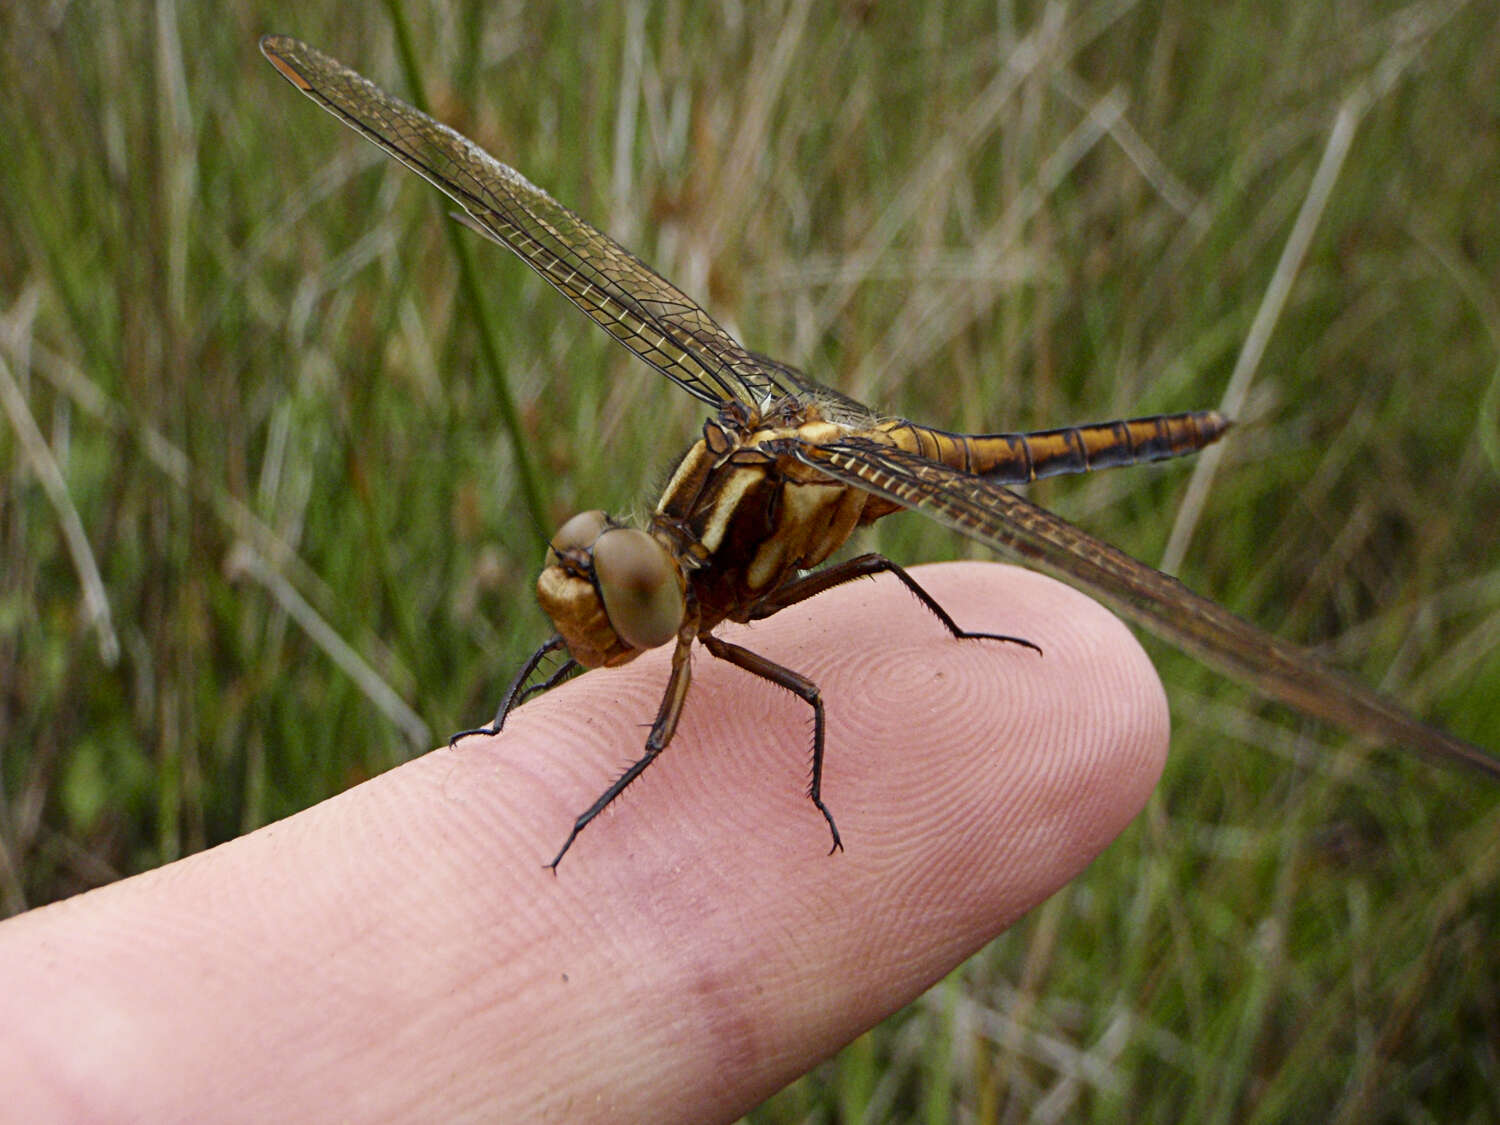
[
  {"x": 619, "y": 292},
  {"x": 999, "y": 518},
  {"x": 835, "y": 405}
]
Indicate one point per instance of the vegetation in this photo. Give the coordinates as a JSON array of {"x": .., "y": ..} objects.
[{"x": 263, "y": 534}]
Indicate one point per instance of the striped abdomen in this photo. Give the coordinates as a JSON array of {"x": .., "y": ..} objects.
[{"x": 1019, "y": 458}]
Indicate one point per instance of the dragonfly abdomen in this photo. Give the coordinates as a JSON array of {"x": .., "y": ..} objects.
[{"x": 1021, "y": 458}]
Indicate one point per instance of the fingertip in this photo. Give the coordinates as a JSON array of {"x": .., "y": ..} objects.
[
  {"x": 929, "y": 738},
  {"x": 979, "y": 772},
  {"x": 982, "y": 772},
  {"x": 699, "y": 937}
]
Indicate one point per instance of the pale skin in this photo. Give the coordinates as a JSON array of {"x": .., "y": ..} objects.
[{"x": 399, "y": 951}]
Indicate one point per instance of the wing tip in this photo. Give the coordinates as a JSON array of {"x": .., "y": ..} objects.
[{"x": 277, "y": 49}]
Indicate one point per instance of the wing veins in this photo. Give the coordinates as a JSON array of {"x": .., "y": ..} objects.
[
  {"x": 505, "y": 206},
  {"x": 1004, "y": 521}
]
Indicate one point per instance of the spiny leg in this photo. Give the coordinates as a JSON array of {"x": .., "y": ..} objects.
[
  {"x": 662, "y": 730},
  {"x": 517, "y": 693},
  {"x": 562, "y": 672},
  {"x": 798, "y": 685},
  {"x": 865, "y": 566}
]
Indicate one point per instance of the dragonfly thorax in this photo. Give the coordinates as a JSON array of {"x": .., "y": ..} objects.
[{"x": 612, "y": 591}]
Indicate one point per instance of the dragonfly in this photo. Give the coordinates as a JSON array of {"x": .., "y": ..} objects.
[{"x": 786, "y": 470}]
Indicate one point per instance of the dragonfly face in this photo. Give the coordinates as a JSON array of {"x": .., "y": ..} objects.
[
  {"x": 787, "y": 470},
  {"x": 612, "y": 591}
]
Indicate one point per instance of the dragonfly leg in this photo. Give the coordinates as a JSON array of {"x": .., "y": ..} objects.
[
  {"x": 661, "y": 733},
  {"x": 864, "y": 566},
  {"x": 799, "y": 686},
  {"x": 564, "y": 670},
  {"x": 518, "y": 693}
]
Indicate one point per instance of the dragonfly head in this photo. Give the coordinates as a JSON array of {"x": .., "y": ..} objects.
[{"x": 611, "y": 591}]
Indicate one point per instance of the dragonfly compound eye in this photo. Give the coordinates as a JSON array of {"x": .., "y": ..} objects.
[
  {"x": 578, "y": 534},
  {"x": 641, "y": 587}
]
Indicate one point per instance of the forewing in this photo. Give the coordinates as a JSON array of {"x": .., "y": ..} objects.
[
  {"x": 835, "y": 405},
  {"x": 1000, "y": 519},
  {"x": 618, "y": 291}
]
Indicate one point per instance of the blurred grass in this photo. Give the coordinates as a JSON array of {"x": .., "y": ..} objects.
[{"x": 239, "y": 332}]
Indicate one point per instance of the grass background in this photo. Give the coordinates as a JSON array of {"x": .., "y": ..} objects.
[{"x": 258, "y": 505}]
